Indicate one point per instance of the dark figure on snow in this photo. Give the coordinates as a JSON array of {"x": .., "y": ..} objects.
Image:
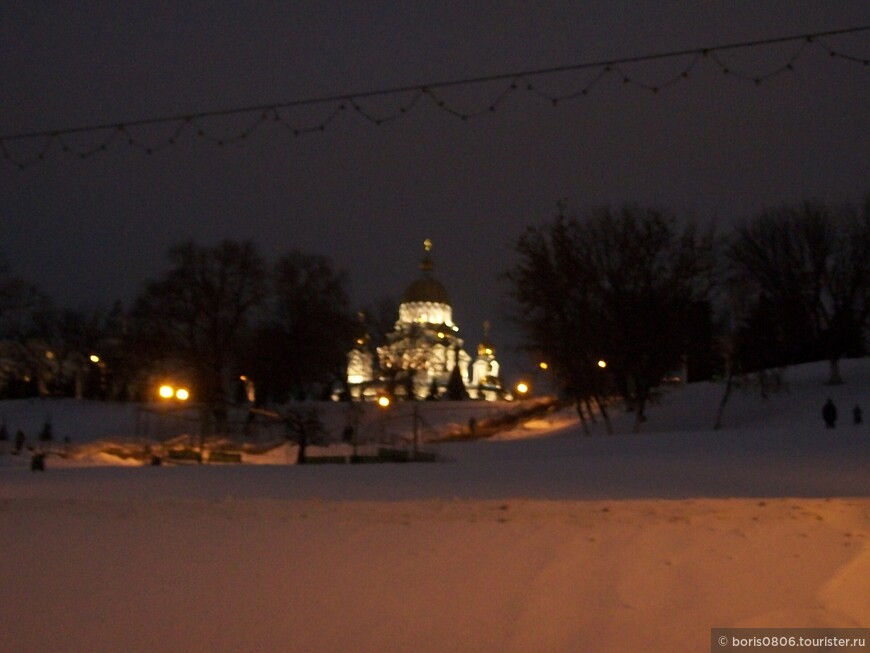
[
  {"x": 19, "y": 440},
  {"x": 856, "y": 414},
  {"x": 37, "y": 462},
  {"x": 829, "y": 414},
  {"x": 347, "y": 434}
]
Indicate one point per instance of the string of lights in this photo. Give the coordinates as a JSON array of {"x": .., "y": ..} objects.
[{"x": 26, "y": 149}]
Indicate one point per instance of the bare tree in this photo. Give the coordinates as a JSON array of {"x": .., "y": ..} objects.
[
  {"x": 378, "y": 319},
  {"x": 651, "y": 273},
  {"x": 808, "y": 267},
  {"x": 558, "y": 309},
  {"x": 616, "y": 286},
  {"x": 27, "y": 364},
  {"x": 199, "y": 313},
  {"x": 21, "y": 305},
  {"x": 300, "y": 347}
]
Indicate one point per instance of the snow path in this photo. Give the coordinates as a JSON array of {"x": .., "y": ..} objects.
[
  {"x": 545, "y": 541},
  {"x": 438, "y": 575},
  {"x": 681, "y": 465}
]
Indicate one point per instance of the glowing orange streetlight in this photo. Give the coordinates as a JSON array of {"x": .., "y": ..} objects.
[
  {"x": 167, "y": 392},
  {"x": 522, "y": 388},
  {"x": 383, "y": 401},
  {"x": 602, "y": 364}
]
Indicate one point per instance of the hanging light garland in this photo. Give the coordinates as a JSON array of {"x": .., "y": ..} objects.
[{"x": 26, "y": 149}]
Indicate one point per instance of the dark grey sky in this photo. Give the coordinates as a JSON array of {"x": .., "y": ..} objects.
[{"x": 91, "y": 231}]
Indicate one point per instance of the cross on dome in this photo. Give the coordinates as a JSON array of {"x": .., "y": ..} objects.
[
  {"x": 427, "y": 263},
  {"x": 427, "y": 288}
]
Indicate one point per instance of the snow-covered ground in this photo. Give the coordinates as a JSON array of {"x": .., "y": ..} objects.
[{"x": 541, "y": 540}]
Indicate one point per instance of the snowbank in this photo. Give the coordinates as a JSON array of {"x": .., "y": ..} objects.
[
  {"x": 423, "y": 576},
  {"x": 546, "y": 540}
]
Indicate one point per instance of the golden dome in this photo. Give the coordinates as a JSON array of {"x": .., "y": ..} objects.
[{"x": 426, "y": 290}]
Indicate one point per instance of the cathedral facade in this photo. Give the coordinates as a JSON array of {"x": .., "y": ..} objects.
[{"x": 423, "y": 357}]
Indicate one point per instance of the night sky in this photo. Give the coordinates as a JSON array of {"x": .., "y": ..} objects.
[{"x": 713, "y": 146}]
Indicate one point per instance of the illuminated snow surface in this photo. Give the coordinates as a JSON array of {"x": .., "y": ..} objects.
[{"x": 545, "y": 540}]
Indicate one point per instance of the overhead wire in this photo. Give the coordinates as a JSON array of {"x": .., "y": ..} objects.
[{"x": 58, "y": 140}]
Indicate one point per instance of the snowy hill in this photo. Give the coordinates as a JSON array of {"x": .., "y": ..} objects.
[
  {"x": 769, "y": 447},
  {"x": 679, "y": 408},
  {"x": 543, "y": 539}
]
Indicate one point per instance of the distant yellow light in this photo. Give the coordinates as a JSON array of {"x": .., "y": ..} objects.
[
  {"x": 522, "y": 387},
  {"x": 488, "y": 351},
  {"x": 543, "y": 365},
  {"x": 440, "y": 334},
  {"x": 94, "y": 358},
  {"x": 383, "y": 401},
  {"x": 243, "y": 378},
  {"x": 602, "y": 364},
  {"x": 182, "y": 394},
  {"x": 166, "y": 391}
]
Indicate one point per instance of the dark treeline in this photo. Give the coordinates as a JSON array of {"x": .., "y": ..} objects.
[
  {"x": 219, "y": 317},
  {"x": 639, "y": 290},
  {"x": 649, "y": 295}
]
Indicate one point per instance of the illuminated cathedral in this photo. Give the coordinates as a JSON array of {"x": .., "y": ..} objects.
[{"x": 423, "y": 357}]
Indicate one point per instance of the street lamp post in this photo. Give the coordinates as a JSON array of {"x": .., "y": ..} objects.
[
  {"x": 355, "y": 419},
  {"x": 416, "y": 430},
  {"x": 384, "y": 402},
  {"x": 522, "y": 389},
  {"x": 180, "y": 395}
]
